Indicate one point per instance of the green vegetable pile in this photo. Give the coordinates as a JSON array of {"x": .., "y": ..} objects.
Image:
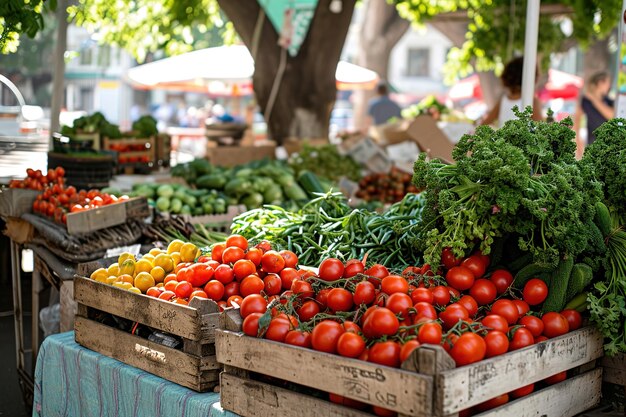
[
  {"x": 326, "y": 162},
  {"x": 327, "y": 227},
  {"x": 145, "y": 127},
  {"x": 428, "y": 105},
  {"x": 95, "y": 123},
  {"x": 253, "y": 184},
  {"x": 179, "y": 199}
]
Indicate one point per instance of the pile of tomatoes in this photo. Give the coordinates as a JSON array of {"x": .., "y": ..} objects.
[
  {"x": 377, "y": 316},
  {"x": 387, "y": 188},
  {"x": 231, "y": 272},
  {"x": 37, "y": 180}
]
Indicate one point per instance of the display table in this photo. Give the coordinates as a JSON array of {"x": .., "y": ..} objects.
[{"x": 73, "y": 381}]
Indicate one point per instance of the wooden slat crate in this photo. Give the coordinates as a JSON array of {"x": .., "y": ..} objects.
[
  {"x": 614, "y": 369},
  {"x": 428, "y": 385},
  {"x": 195, "y": 366},
  {"x": 149, "y": 149},
  {"x": 163, "y": 150},
  {"x": 107, "y": 216},
  {"x": 16, "y": 201}
]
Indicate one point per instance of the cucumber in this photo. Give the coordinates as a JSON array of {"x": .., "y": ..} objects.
[
  {"x": 521, "y": 262},
  {"x": 295, "y": 192},
  {"x": 310, "y": 183},
  {"x": 558, "y": 285},
  {"x": 581, "y": 277},
  {"x": 578, "y": 303},
  {"x": 212, "y": 181},
  {"x": 603, "y": 218},
  {"x": 530, "y": 271}
]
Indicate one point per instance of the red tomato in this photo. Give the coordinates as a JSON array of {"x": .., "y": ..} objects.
[
  {"x": 469, "y": 348},
  {"x": 183, "y": 289},
  {"x": 422, "y": 295},
  {"x": 232, "y": 254},
  {"x": 350, "y": 345},
  {"x": 254, "y": 255},
  {"x": 493, "y": 403},
  {"x": 535, "y": 292},
  {"x": 477, "y": 264},
  {"x": 533, "y": 324},
  {"x": 238, "y": 241},
  {"x": 364, "y": 293},
  {"x": 234, "y": 301},
  {"x": 251, "y": 284},
  {"x": 291, "y": 260},
  {"x": 224, "y": 274},
  {"x": 425, "y": 310},
  {"x": 394, "y": 283},
  {"x": 278, "y": 329},
  {"x": 470, "y": 304},
  {"x": 573, "y": 318},
  {"x": 407, "y": 348},
  {"x": 452, "y": 314},
  {"x": 230, "y": 289},
  {"x": 380, "y": 322},
  {"x": 484, "y": 291},
  {"x": 298, "y": 338},
  {"x": 496, "y": 322},
  {"x": 522, "y": 307},
  {"x": 253, "y": 303},
  {"x": 218, "y": 251},
  {"x": 555, "y": 379},
  {"x": 497, "y": 343},
  {"x": 385, "y": 353},
  {"x": 214, "y": 290},
  {"x": 448, "y": 259},
  {"x": 273, "y": 284},
  {"x": 353, "y": 268},
  {"x": 250, "y": 325},
  {"x": 376, "y": 273},
  {"x": 331, "y": 269},
  {"x": 430, "y": 333},
  {"x": 325, "y": 336},
  {"x": 287, "y": 276},
  {"x": 521, "y": 338},
  {"x": 460, "y": 278},
  {"x": 322, "y": 297},
  {"x": 383, "y": 412},
  {"x": 264, "y": 246},
  {"x": 506, "y": 309},
  {"x": 351, "y": 326},
  {"x": 242, "y": 268},
  {"x": 304, "y": 289},
  {"x": 339, "y": 299},
  {"x": 523, "y": 391},
  {"x": 441, "y": 295},
  {"x": 399, "y": 303},
  {"x": 347, "y": 402},
  {"x": 201, "y": 274},
  {"x": 272, "y": 262},
  {"x": 502, "y": 279},
  {"x": 554, "y": 324},
  {"x": 167, "y": 295}
]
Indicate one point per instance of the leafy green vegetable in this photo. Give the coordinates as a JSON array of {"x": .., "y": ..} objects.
[
  {"x": 325, "y": 161},
  {"x": 145, "y": 126}
]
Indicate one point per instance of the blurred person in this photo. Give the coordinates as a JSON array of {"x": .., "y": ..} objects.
[
  {"x": 596, "y": 107},
  {"x": 381, "y": 108},
  {"x": 512, "y": 82}
]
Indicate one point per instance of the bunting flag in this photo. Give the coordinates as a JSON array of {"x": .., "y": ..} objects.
[{"x": 291, "y": 19}]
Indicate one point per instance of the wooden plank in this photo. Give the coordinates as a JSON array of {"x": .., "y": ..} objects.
[
  {"x": 566, "y": 399},
  {"x": 230, "y": 319},
  {"x": 16, "y": 201},
  {"x": 469, "y": 385},
  {"x": 614, "y": 369},
  {"x": 171, "y": 364},
  {"x": 406, "y": 392},
  {"x": 169, "y": 317},
  {"x": 102, "y": 217},
  {"x": 249, "y": 398}
]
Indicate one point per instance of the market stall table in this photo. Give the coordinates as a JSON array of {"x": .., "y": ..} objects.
[{"x": 73, "y": 381}]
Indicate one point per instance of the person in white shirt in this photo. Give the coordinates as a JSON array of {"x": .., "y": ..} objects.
[{"x": 512, "y": 81}]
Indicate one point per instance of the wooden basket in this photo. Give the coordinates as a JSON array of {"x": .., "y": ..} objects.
[
  {"x": 195, "y": 366},
  {"x": 427, "y": 385}
]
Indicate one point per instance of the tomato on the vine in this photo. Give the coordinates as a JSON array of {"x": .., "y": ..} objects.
[
  {"x": 425, "y": 310},
  {"x": 522, "y": 307},
  {"x": 422, "y": 295},
  {"x": 250, "y": 325},
  {"x": 453, "y": 314},
  {"x": 441, "y": 295},
  {"x": 470, "y": 304},
  {"x": 407, "y": 348},
  {"x": 287, "y": 276},
  {"x": 477, "y": 264},
  {"x": 497, "y": 343},
  {"x": 353, "y": 267},
  {"x": 496, "y": 322},
  {"x": 376, "y": 274},
  {"x": 521, "y": 338},
  {"x": 298, "y": 338},
  {"x": 278, "y": 329},
  {"x": 460, "y": 277},
  {"x": 385, "y": 353},
  {"x": 308, "y": 310},
  {"x": 380, "y": 322},
  {"x": 350, "y": 345},
  {"x": 364, "y": 293},
  {"x": 533, "y": 324},
  {"x": 535, "y": 292},
  {"x": 502, "y": 279},
  {"x": 325, "y": 336},
  {"x": 469, "y": 348},
  {"x": 254, "y": 303},
  {"x": 303, "y": 289},
  {"x": 339, "y": 299},
  {"x": 448, "y": 259},
  {"x": 393, "y": 284},
  {"x": 331, "y": 269},
  {"x": 506, "y": 309},
  {"x": 554, "y": 324},
  {"x": 430, "y": 333},
  {"x": 399, "y": 303},
  {"x": 484, "y": 291}
]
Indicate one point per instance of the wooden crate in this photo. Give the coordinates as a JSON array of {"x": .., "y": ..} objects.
[
  {"x": 195, "y": 366},
  {"x": 16, "y": 201},
  {"x": 94, "y": 138},
  {"x": 107, "y": 216},
  {"x": 149, "y": 150},
  {"x": 427, "y": 385},
  {"x": 614, "y": 369},
  {"x": 163, "y": 150}
]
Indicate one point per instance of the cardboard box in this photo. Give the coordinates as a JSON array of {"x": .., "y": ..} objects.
[
  {"x": 430, "y": 139},
  {"x": 229, "y": 156},
  {"x": 368, "y": 153}
]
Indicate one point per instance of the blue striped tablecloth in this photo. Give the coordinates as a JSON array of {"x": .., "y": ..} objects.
[{"x": 72, "y": 381}]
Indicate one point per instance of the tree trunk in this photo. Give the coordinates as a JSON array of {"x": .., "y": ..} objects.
[
  {"x": 380, "y": 31},
  {"x": 307, "y": 89}
]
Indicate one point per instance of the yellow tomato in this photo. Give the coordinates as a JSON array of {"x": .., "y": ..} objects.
[
  {"x": 114, "y": 269},
  {"x": 175, "y": 246},
  {"x": 189, "y": 252},
  {"x": 143, "y": 281}
]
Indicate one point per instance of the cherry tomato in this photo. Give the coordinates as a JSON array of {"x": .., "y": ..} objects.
[
  {"x": 452, "y": 314},
  {"x": 497, "y": 343},
  {"x": 469, "y": 348},
  {"x": 339, "y": 299},
  {"x": 271, "y": 261},
  {"x": 554, "y": 324},
  {"x": 291, "y": 260},
  {"x": 250, "y": 325},
  {"x": 441, "y": 295},
  {"x": 573, "y": 318},
  {"x": 253, "y": 303},
  {"x": 353, "y": 267},
  {"x": 493, "y": 403},
  {"x": 430, "y": 333},
  {"x": 523, "y": 391},
  {"x": 476, "y": 264},
  {"x": 325, "y": 336},
  {"x": 408, "y": 348},
  {"x": 251, "y": 284},
  {"x": 376, "y": 274},
  {"x": 304, "y": 289},
  {"x": 535, "y": 292},
  {"x": 555, "y": 379},
  {"x": 394, "y": 283},
  {"x": 422, "y": 295},
  {"x": 298, "y": 338},
  {"x": 278, "y": 329},
  {"x": 448, "y": 259},
  {"x": 364, "y": 293},
  {"x": 399, "y": 303},
  {"x": 460, "y": 278},
  {"x": 308, "y": 310},
  {"x": 502, "y": 279},
  {"x": 322, "y": 297},
  {"x": 521, "y": 338},
  {"x": 385, "y": 353},
  {"x": 350, "y": 345},
  {"x": 380, "y": 322},
  {"x": 533, "y": 324},
  {"x": 506, "y": 309},
  {"x": 484, "y": 291},
  {"x": 331, "y": 269},
  {"x": 496, "y": 322},
  {"x": 425, "y": 310},
  {"x": 470, "y": 304}
]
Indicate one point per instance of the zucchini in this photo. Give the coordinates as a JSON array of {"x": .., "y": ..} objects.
[
  {"x": 530, "y": 271},
  {"x": 310, "y": 183},
  {"x": 558, "y": 285},
  {"x": 212, "y": 181},
  {"x": 581, "y": 277},
  {"x": 603, "y": 218},
  {"x": 295, "y": 192}
]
